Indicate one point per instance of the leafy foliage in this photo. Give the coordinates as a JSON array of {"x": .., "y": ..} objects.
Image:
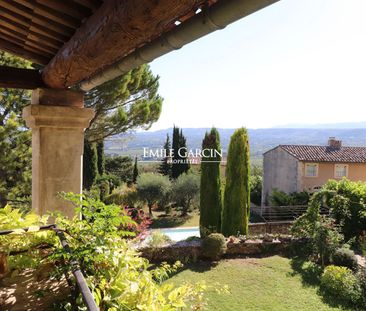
[
  {"x": 15, "y": 141},
  {"x": 185, "y": 190},
  {"x": 118, "y": 277},
  {"x": 210, "y": 188},
  {"x": 120, "y": 166},
  {"x": 236, "y": 209},
  {"x": 345, "y": 200},
  {"x": 341, "y": 284},
  {"x": 321, "y": 232},
  {"x": 280, "y": 198}
]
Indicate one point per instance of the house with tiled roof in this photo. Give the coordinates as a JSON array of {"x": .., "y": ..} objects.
[{"x": 296, "y": 168}]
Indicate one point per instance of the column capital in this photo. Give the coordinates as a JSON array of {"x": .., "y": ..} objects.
[
  {"x": 57, "y": 116},
  {"x": 52, "y": 97}
]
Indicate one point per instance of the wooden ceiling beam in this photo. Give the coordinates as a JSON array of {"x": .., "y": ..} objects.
[
  {"x": 28, "y": 40},
  {"x": 32, "y": 25},
  {"x": 113, "y": 31},
  {"x": 25, "y": 45},
  {"x": 20, "y": 78},
  {"x": 15, "y": 8},
  {"x": 20, "y": 51},
  {"x": 22, "y": 30},
  {"x": 49, "y": 13}
]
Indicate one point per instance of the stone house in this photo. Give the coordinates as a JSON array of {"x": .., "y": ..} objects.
[{"x": 296, "y": 168}]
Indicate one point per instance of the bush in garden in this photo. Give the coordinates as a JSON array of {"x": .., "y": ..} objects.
[
  {"x": 341, "y": 284},
  {"x": 185, "y": 190},
  {"x": 347, "y": 203},
  {"x": 361, "y": 277},
  {"x": 213, "y": 246},
  {"x": 210, "y": 187},
  {"x": 280, "y": 198},
  {"x": 321, "y": 233},
  {"x": 346, "y": 258},
  {"x": 125, "y": 196},
  {"x": 158, "y": 239},
  {"x": 151, "y": 187},
  {"x": 235, "y": 215}
]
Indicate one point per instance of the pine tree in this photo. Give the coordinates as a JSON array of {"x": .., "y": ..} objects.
[
  {"x": 165, "y": 166},
  {"x": 90, "y": 164},
  {"x": 101, "y": 158},
  {"x": 135, "y": 171},
  {"x": 236, "y": 209},
  {"x": 180, "y": 164},
  {"x": 126, "y": 103},
  {"x": 210, "y": 197}
]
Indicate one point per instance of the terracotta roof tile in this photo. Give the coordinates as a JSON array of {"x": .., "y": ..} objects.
[{"x": 326, "y": 153}]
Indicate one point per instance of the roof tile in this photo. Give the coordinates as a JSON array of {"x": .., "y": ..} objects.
[{"x": 326, "y": 153}]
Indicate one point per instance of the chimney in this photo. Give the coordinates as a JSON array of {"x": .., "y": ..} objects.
[{"x": 334, "y": 143}]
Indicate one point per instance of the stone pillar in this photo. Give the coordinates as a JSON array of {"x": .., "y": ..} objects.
[{"x": 57, "y": 120}]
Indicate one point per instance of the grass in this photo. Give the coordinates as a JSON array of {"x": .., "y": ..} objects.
[
  {"x": 175, "y": 220},
  {"x": 257, "y": 284}
]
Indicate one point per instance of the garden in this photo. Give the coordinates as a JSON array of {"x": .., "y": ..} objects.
[{"x": 316, "y": 264}]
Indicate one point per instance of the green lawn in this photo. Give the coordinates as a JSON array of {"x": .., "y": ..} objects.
[
  {"x": 257, "y": 284},
  {"x": 173, "y": 220}
]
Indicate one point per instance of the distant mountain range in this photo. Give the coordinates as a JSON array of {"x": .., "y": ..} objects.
[{"x": 260, "y": 140}]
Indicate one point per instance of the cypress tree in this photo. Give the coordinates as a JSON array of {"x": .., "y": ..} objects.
[
  {"x": 101, "y": 158},
  {"x": 210, "y": 197},
  {"x": 236, "y": 209},
  {"x": 175, "y": 147},
  {"x": 165, "y": 166},
  {"x": 90, "y": 164},
  {"x": 135, "y": 172},
  {"x": 184, "y": 167},
  {"x": 180, "y": 164}
]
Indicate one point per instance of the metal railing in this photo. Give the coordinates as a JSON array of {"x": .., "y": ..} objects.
[
  {"x": 283, "y": 213},
  {"x": 86, "y": 294}
]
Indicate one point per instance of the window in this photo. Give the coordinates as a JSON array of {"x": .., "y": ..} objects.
[
  {"x": 341, "y": 170},
  {"x": 311, "y": 169}
]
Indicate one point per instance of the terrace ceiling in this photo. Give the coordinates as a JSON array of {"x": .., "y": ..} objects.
[{"x": 72, "y": 40}]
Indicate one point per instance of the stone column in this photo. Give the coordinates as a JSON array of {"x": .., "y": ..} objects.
[{"x": 57, "y": 120}]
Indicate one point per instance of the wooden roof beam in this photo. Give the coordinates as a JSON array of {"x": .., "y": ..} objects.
[
  {"x": 11, "y": 77},
  {"x": 22, "y": 52},
  {"x": 113, "y": 31}
]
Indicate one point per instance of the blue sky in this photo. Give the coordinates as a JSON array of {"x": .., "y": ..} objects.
[{"x": 292, "y": 62}]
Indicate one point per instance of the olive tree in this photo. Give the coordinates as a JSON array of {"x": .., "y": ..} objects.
[{"x": 151, "y": 188}]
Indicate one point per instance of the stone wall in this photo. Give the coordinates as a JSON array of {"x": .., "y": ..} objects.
[
  {"x": 281, "y": 227},
  {"x": 191, "y": 251}
]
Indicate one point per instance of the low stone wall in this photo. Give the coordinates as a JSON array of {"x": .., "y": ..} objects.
[
  {"x": 281, "y": 227},
  {"x": 191, "y": 251}
]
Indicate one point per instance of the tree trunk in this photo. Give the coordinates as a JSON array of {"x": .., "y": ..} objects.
[{"x": 150, "y": 211}]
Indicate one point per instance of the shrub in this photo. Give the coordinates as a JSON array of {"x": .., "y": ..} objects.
[
  {"x": 210, "y": 187},
  {"x": 320, "y": 232},
  {"x": 185, "y": 190},
  {"x": 158, "y": 239},
  {"x": 280, "y": 198},
  {"x": 151, "y": 187},
  {"x": 124, "y": 195},
  {"x": 361, "y": 277},
  {"x": 213, "y": 246},
  {"x": 235, "y": 215},
  {"x": 346, "y": 258},
  {"x": 341, "y": 284}
]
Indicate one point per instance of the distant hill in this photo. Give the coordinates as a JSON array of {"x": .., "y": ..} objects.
[{"x": 260, "y": 140}]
